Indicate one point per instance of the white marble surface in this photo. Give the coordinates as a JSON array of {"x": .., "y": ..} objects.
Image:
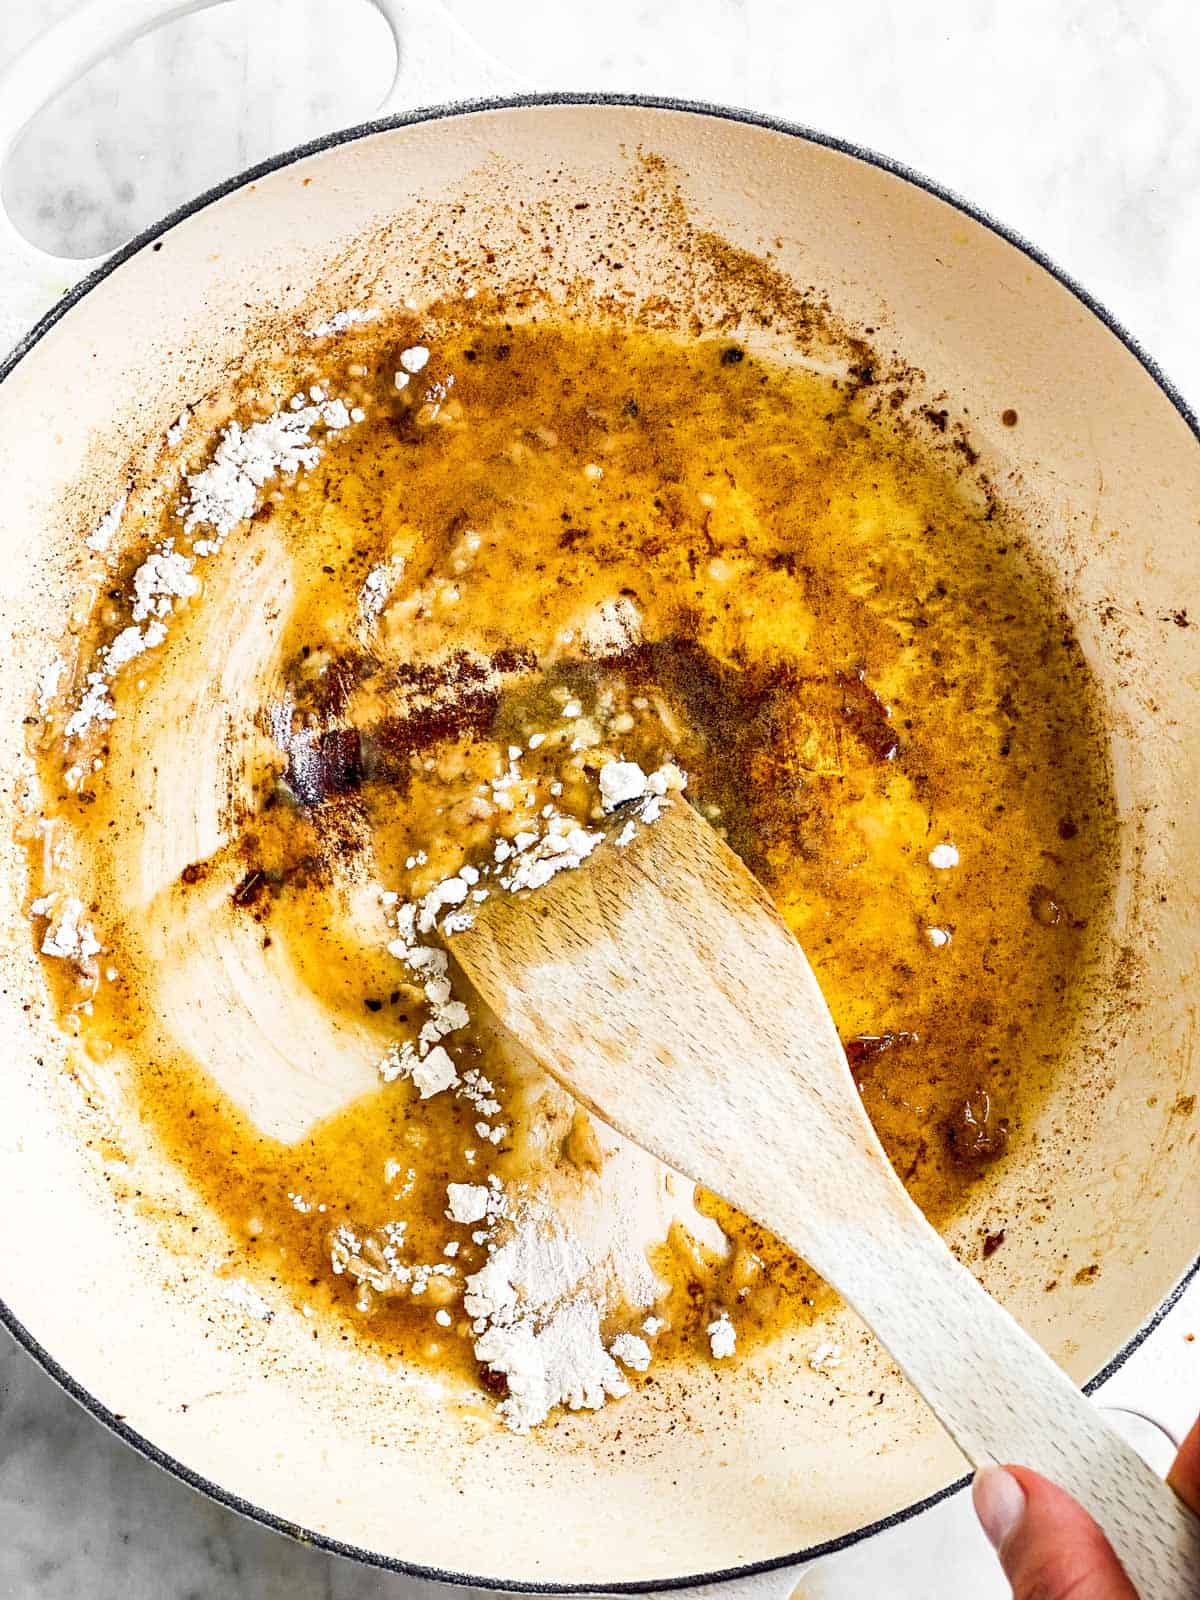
[{"x": 1074, "y": 121}]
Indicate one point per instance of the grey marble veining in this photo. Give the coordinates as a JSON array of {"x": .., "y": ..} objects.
[
  {"x": 81, "y": 1514},
  {"x": 1075, "y": 122}
]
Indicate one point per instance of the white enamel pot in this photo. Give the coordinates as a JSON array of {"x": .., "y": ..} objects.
[{"x": 717, "y": 1475}]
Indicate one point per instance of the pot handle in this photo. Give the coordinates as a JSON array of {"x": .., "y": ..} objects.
[
  {"x": 436, "y": 60},
  {"x": 31, "y": 280}
]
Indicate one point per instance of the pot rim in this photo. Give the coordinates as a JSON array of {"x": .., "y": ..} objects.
[{"x": 897, "y": 169}]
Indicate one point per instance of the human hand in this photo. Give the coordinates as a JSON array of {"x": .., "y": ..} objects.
[{"x": 1049, "y": 1546}]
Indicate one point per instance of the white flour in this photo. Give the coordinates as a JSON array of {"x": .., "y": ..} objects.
[
  {"x": 164, "y": 577},
  {"x": 562, "y": 1363},
  {"x": 375, "y": 1261},
  {"x": 621, "y": 781},
  {"x": 48, "y": 681},
  {"x": 341, "y": 320},
  {"x": 226, "y": 492},
  {"x": 561, "y": 848},
  {"x": 222, "y": 495},
  {"x": 178, "y": 428},
  {"x": 722, "y": 1337},
  {"x": 132, "y": 642},
  {"x": 377, "y": 587},
  {"x": 631, "y": 1351},
  {"x": 560, "y": 1266},
  {"x": 247, "y": 1298},
  {"x": 67, "y": 935},
  {"x": 537, "y": 1320},
  {"x": 475, "y": 1202},
  {"x": 95, "y": 705},
  {"x": 101, "y": 535},
  {"x": 612, "y": 628},
  {"x": 431, "y": 1073}
]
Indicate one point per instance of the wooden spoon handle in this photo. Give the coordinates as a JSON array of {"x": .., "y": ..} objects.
[
  {"x": 665, "y": 990},
  {"x": 1002, "y": 1398}
]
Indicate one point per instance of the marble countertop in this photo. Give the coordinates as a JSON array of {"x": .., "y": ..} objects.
[{"x": 1075, "y": 123}]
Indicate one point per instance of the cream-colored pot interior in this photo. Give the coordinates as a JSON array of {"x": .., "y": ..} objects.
[{"x": 731, "y": 1468}]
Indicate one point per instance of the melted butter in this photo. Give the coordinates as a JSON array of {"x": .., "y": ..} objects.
[{"x": 795, "y": 566}]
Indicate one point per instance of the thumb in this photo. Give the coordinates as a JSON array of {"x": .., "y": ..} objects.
[{"x": 1049, "y": 1547}]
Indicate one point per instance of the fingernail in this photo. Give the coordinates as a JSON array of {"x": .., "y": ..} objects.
[{"x": 999, "y": 1503}]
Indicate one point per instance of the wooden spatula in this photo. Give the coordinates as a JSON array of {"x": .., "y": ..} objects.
[{"x": 661, "y": 987}]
